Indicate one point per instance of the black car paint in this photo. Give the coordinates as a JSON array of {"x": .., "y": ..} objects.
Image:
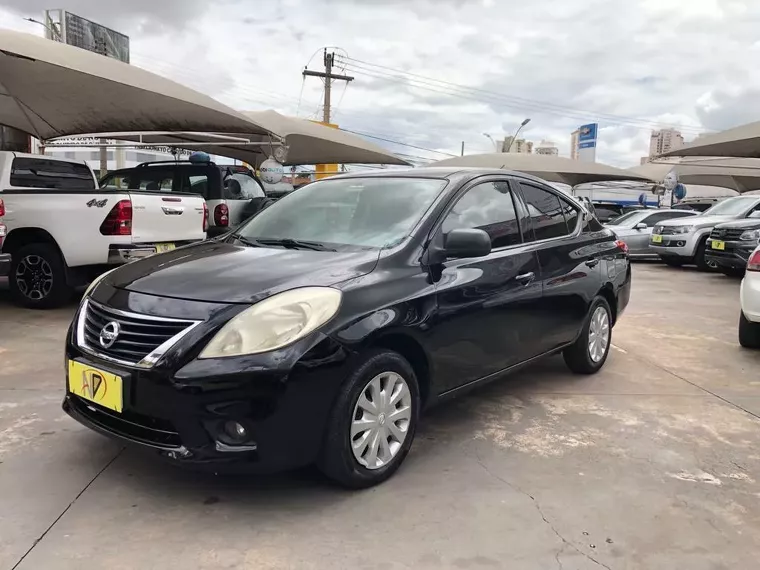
[
  {"x": 736, "y": 252},
  {"x": 447, "y": 318}
]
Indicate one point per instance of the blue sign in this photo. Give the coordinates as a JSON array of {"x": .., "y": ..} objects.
[
  {"x": 589, "y": 144},
  {"x": 680, "y": 192},
  {"x": 587, "y": 133}
]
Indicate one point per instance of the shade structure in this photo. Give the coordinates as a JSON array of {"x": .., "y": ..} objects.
[
  {"x": 740, "y": 174},
  {"x": 740, "y": 142},
  {"x": 49, "y": 89},
  {"x": 307, "y": 142},
  {"x": 550, "y": 168}
]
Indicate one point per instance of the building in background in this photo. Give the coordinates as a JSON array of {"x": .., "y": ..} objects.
[
  {"x": 574, "y": 144},
  {"x": 587, "y": 135},
  {"x": 663, "y": 141},
  {"x": 520, "y": 146},
  {"x": 547, "y": 148}
]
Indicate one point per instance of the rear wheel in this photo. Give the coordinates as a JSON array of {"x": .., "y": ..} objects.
[
  {"x": 589, "y": 353},
  {"x": 373, "y": 422},
  {"x": 749, "y": 332},
  {"x": 38, "y": 277},
  {"x": 700, "y": 261}
]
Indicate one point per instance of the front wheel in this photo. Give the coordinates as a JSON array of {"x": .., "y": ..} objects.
[
  {"x": 589, "y": 353},
  {"x": 749, "y": 332},
  {"x": 38, "y": 277},
  {"x": 373, "y": 422},
  {"x": 700, "y": 261},
  {"x": 732, "y": 271},
  {"x": 672, "y": 262}
]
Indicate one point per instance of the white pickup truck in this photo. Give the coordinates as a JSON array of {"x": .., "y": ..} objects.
[{"x": 62, "y": 230}]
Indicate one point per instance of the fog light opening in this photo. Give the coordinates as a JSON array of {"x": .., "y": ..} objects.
[{"x": 235, "y": 431}]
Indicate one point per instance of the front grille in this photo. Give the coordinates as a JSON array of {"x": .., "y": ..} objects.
[
  {"x": 726, "y": 234},
  {"x": 138, "y": 335},
  {"x": 666, "y": 231},
  {"x": 131, "y": 425}
]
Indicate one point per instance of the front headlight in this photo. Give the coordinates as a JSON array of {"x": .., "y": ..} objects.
[
  {"x": 683, "y": 229},
  {"x": 275, "y": 322},
  {"x": 95, "y": 282},
  {"x": 750, "y": 235}
]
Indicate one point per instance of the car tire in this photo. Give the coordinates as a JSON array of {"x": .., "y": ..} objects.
[
  {"x": 37, "y": 278},
  {"x": 343, "y": 458},
  {"x": 587, "y": 355},
  {"x": 749, "y": 332},
  {"x": 732, "y": 271},
  {"x": 673, "y": 262},
  {"x": 700, "y": 261}
]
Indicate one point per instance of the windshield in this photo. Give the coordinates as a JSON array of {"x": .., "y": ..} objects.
[
  {"x": 630, "y": 218},
  {"x": 730, "y": 207},
  {"x": 364, "y": 212}
]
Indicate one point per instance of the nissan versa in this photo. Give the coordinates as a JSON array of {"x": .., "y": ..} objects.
[{"x": 318, "y": 331}]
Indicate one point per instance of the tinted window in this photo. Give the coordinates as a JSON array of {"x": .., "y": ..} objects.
[
  {"x": 652, "y": 219},
  {"x": 571, "y": 215},
  {"x": 240, "y": 186},
  {"x": 545, "y": 212},
  {"x": 150, "y": 179},
  {"x": 42, "y": 173},
  {"x": 487, "y": 207}
]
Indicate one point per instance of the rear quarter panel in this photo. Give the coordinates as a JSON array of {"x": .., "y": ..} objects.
[{"x": 166, "y": 217}]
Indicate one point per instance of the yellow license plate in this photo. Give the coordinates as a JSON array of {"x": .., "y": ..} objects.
[
  {"x": 718, "y": 245},
  {"x": 95, "y": 385},
  {"x": 656, "y": 239},
  {"x": 162, "y": 247}
]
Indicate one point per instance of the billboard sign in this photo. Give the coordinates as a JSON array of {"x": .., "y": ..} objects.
[
  {"x": 80, "y": 32},
  {"x": 587, "y": 142}
]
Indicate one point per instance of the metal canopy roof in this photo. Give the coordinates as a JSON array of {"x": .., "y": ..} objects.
[
  {"x": 742, "y": 142},
  {"x": 49, "y": 89},
  {"x": 740, "y": 174},
  {"x": 550, "y": 168}
]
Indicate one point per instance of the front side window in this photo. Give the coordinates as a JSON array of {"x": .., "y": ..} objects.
[
  {"x": 373, "y": 212},
  {"x": 546, "y": 212},
  {"x": 488, "y": 207}
]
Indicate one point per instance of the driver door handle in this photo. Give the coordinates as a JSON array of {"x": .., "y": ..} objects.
[
  {"x": 592, "y": 262},
  {"x": 526, "y": 278}
]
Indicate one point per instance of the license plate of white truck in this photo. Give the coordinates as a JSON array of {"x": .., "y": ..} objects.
[
  {"x": 162, "y": 247},
  {"x": 656, "y": 239}
]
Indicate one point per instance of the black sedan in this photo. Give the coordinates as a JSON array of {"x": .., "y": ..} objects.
[{"x": 319, "y": 330}]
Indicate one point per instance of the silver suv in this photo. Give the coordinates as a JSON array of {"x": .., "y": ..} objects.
[{"x": 681, "y": 242}]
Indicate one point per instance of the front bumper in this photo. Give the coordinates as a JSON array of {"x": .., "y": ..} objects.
[
  {"x": 678, "y": 245},
  {"x": 735, "y": 255},
  {"x": 179, "y": 410},
  {"x": 5, "y": 264}
]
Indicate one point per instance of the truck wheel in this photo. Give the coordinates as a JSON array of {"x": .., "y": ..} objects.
[
  {"x": 700, "y": 261},
  {"x": 732, "y": 271},
  {"x": 672, "y": 262},
  {"x": 749, "y": 332},
  {"x": 38, "y": 277}
]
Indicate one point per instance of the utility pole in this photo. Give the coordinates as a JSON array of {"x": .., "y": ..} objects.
[{"x": 328, "y": 76}]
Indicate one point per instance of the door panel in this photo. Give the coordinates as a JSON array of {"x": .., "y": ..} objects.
[{"x": 486, "y": 305}]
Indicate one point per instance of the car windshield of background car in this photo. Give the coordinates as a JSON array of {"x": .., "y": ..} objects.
[
  {"x": 364, "y": 212},
  {"x": 730, "y": 207},
  {"x": 249, "y": 188}
]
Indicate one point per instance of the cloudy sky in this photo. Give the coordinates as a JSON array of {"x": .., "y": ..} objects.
[{"x": 432, "y": 74}]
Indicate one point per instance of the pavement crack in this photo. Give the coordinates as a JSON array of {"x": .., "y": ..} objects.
[
  {"x": 71, "y": 504},
  {"x": 540, "y": 511}
]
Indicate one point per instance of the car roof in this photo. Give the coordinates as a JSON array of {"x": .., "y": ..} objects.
[{"x": 441, "y": 172}]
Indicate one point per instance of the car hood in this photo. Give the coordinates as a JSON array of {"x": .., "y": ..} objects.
[
  {"x": 220, "y": 272},
  {"x": 696, "y": 221},
  {"x": 744, "y": 224}
]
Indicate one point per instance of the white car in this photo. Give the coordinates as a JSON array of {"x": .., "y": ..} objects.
[
  {"x": 5, "y": 258},
  {"x": 749, "y": 319}
]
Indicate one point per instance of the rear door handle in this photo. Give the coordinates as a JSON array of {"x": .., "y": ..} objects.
[
  {"x": 526, "y": 278},
  {"x": 592, "y": 262}
]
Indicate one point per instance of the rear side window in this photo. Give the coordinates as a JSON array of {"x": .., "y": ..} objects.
[
  {"x": 488, "y": 207},
  {"x": 240, "y": 186},
  {"x": 546, "y": 212},
  {"x": 150, "y": 179},
  {"x": 42, "y": 173}
]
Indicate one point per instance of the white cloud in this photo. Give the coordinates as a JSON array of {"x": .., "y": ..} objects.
[{"x": 632, "y": 64}]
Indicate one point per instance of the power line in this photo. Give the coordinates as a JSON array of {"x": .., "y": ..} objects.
[
  {"x": 397, "y": 142},
  {"x": 441, "y": 86}
]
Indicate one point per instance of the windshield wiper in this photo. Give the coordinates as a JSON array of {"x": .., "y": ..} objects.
[
  {"x": 246, "y": 241},
  {"x": 294, "y": 244}
]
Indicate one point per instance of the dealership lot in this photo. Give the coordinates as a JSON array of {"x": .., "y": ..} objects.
[{"x": 652, "y": 463}]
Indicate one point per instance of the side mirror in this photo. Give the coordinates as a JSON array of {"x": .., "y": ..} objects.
[
  {"x": 640, "y": 226},
  {"x": 462, "y": 243}
]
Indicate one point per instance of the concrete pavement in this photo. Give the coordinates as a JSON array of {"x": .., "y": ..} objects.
[{"x": 650, "y": 464}]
